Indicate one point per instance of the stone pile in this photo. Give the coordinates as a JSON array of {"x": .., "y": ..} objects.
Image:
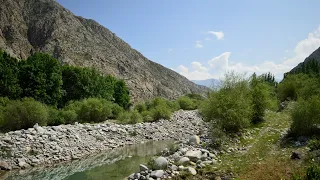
[
  {"x": 188, "y": 158},
  {"x": 49, "y": 145}
]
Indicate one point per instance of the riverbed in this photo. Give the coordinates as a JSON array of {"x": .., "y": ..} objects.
[{"x": 115, "y": 164}]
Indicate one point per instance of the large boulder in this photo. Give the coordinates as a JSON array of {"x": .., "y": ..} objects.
[
  {"x": 194, "y": 156},
  {"x": 194, "y": 140},
  {"x": 160, "y": 163}
]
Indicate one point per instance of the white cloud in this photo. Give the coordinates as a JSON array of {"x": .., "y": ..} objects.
[
  {"x": 220, "y": 61},
  {"x": 182, "y": 68},
  {"x": 198, "y": 67},
  {"x": 199, "y": 44},
  {"x": 170, "y": 50},
  {"x": 218, "y": 65},
  {"x": 218, "y": 34}
]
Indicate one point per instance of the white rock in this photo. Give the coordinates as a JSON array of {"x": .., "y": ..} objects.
[
  {"x": 157, "y": 173},
  {"x": 161, "y": 163},
  {"x": 192, "y": 171}
]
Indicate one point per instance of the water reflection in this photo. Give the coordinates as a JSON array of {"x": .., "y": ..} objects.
[{"x": 114, "y": 164}]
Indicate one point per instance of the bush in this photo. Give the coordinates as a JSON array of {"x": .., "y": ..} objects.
[
  {"x": 91, "y": 110},
  {"x": 295, "y": 86},
  {"x": 186, "y": 103},
  {"x": 306, "y": 117},
  {"x": 116, "y": 111},
  {"x": 140, "y": 107},
  {"x": 259, "y": 93},
  {"x": 130, "y": 117},
  {"x": 230, "y": 107},
  {"x": 161, "y": 112},
  {"x": 147, "y": 116},
  {"x": 314, "y": 144},
  {"x": 313, "y": 172},
  {"x": 24, "y": 114},
  {"x": 121, "y": 94}
]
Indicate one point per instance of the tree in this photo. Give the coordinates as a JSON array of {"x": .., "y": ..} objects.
[
  {"x": 121, "y": 94},
  {"x": 40, "y": 78},
  {"x": 80, "y": 83},
  {"x": 9, "y": 76}
]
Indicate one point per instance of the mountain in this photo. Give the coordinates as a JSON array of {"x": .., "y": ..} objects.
[
  {"x": 210, "y": 83},
  {"x": 314, "y": 56},
  {"x": 28, "y": 26}
]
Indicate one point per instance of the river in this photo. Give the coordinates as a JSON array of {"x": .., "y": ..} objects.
[{"x": 115, "y": 164}]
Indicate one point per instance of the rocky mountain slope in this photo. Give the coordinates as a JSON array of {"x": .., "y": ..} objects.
[
  {"x": 28, "y": 26},
  {"x": 315, "y": 55}
]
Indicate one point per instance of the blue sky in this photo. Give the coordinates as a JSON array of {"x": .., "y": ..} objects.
[{"x": 204, "y": 39}]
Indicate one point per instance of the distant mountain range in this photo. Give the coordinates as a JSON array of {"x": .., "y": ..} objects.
[{"x": 210, "y": 83}]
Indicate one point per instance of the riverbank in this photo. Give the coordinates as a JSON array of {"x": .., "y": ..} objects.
[{"x": 49, "y": 145}]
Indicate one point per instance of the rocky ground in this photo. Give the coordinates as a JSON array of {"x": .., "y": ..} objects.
[
  {"x": 48, "y": 145},
  {"x": 189, "y": 157}
]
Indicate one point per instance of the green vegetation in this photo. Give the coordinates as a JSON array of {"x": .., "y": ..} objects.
[{"x": 306, "y": 117}]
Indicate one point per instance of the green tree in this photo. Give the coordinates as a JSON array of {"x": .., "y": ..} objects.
[
  {"x": 80, "y": 83},
  {"x": 9, "y": 76},
  {"x": 40, "y": 78},
  {"x": 121, "y": 94}
]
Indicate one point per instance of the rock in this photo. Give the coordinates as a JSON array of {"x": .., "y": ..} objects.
[
  {"x": 207, "y": 162},
  {"x": 217, "y": 178},
  {"x": 212, "y": 155},
  {"x": 157, "y": 173},
  {"x": 184, "y": 161},
  {"x": 160, "y": 163},
  {"x": 4, "y": 165},
  {"x": 174, "y": 167},
  {"x": 143, "y": 168},
  {"x": 192, "y": 171},
  {"x": 23, "y": 164},
  {"x": 182, "y": 168},
  {"x": 38, "y": 128},
  {"x": 193, "y": 155},
  {"x": 295, "y": 155},
  {"x": 7, "y": 139},
  {"x": 194, "y": 140},
  {"x": 214, "y": 161}
]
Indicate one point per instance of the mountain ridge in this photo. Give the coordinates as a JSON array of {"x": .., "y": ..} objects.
[{"x": 28, "y": 26}]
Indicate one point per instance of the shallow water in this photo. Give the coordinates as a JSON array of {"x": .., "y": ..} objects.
[{"x": 115, "y": 164}]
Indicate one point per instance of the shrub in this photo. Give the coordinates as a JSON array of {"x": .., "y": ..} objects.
[
  {"x": 259, "y": 93},
  {"x": 147, "y": 116},
  {"x": 94, "y": 110},
  {"x": 90, "y": 110},
  {"x": 313, "y": 172},
  {"x": 314, "y": 144},
  {"x": 306, "y": 117},
  {"x": 161, "y": 112},
  {"x": 116, "y": 111},
  {"x": 230, "y": 107},
  {"x": 24, "y": 114},
  {"x": 130, "y": 117},
  {"x": 4, "y": 101},
  {"x": 296, "y": 86},
  {"x": 140, "y": 107},
  {"x": 186, "y": 103}
]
